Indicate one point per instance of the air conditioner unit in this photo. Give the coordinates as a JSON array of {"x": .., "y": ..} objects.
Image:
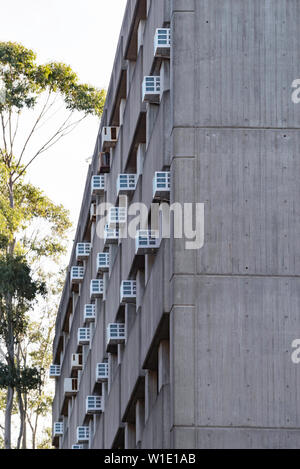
[
  {"x": 93, "y": 212},
  {"x": 77, "y": 446},
  {"x": 70, "y": 386},
  {"x": 84, "y": 336},
  {"x": 89, "y": 313},
  {"x": 117, "y": 216},
  {"x": 94, "y": 405},
  {"x": 126, "y": 183},
  {"x": 151, "y": 89},
  {"x": 102, "y": 262},
  {"x": 111, "y": 235},
  {"x": 83, "y": 434},
  {"x": 58, "y": 429},
  {"x": 76, "y": 361},
  {"x": 147, "y": 242},
  {"x": 128, "y": 291},
  {"x": 104, "y": 163},
  {"x": 109, "y": 137},
  {"x": 83, "y": 251},
  {"x": 77, "y": 274},
  {"x": 161, "y": 185},
  {"x": 98, "y": 184},
  {"x": 97, "y": 289},
  {"x": 101, "y": 372},
  {"x": 54, "y": 371},
  {"x": 115, "y": 334},
  {"x": 162, "y": 42}
]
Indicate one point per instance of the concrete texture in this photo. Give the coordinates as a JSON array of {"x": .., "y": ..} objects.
[{"x": 207, "y": 360}]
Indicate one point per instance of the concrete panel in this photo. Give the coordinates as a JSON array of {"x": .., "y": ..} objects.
[
  {"x": 246, "y": 438},
  {"x": 112, "y": 412},
  {"x": 244, "y": 375},
  {"x": 248, "y": 181},
  {"x": 131, "y": 364},
  {"x": 246, "y": 58}
]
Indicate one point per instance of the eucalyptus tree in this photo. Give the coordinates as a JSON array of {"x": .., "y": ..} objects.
[{"x": 33, "y": 97}]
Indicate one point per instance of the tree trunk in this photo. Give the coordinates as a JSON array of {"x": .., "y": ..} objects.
[
  {"x": 22, "y": 418},
  {"x": 10, "y": 347},
  {"x": 8, "y": 411},
  {"x": 24, "y": 442}
]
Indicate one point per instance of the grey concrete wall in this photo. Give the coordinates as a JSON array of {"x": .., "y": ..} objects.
[
  {"x": 236, "y": 302},
  {"x": 227, "y": 128}
]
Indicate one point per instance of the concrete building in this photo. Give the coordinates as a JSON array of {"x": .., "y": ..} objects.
[{"x": 195, "y": 350}]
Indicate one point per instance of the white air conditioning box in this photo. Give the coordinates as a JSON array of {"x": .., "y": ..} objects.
[
  {"x": 83, "y": 434},
  {"x": 58, "y": 429},
  {"x": 98, "y": 184},
  {"x": 128, "y": 291},
  {"x": 117, "y": 216},
  {"x": 84, "y": 336},
  {"x": 54, "y": 371},
  {"x": 162, "y": 185},
  {"x": 83, "y": 251},
  {"x": 89, "y": 313},
  {"x": 101, "y": 372},
  {"x": 126, "y": 183},
  {"x": 94, "y": 405},
  {"x": 111, "y": 236},
  {"x": 77, "y": 274},
  {"x": 97, "y": 288},
  {"x": 151, "y": 89},
  {"x": 147, "y": 242},
  {"x": 115, "y": 334},
  {"x": 102, "y": 262},
  {"x": 162, "y": 43},
  {"x": 70, "y": 386},
  {"x": 76, "y": 361},
  {"x": 109, "y": 137}
]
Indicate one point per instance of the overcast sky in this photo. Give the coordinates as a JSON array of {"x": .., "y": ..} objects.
[{"x": 83, "y": 34}]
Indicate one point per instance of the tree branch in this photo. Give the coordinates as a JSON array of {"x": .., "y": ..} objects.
[{"x": 60, "y": 133}]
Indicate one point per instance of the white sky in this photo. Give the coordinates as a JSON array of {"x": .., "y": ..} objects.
[{"x": 83, "y": 34}]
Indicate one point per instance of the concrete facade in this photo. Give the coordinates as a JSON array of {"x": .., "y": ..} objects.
[{"x": 207, "y": 357}]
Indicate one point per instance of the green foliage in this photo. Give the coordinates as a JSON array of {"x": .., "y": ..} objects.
[
  {"x": 17, "y": 293},
  {"x": 46, "y": 443},
  {"x": 30, "y": 205},
  {"x": 16, "y": 280},
  {"x": 24, "y": 80},
  {"x": 24, "y": 379}
]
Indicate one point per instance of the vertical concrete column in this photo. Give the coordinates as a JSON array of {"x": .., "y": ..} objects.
[
  {"x": 140, "y": 288},
  {"x": 140, "y": 159},
  {"x": 105, "y": 278},
  {"x": 150, "y": 391},
  {"x": 120, "y": 353},
  {"x": 164, "y": 77},
  {"x": 152, "y": 110},
  {"x": 140, "y": 35},
  {"x": 93, "y": 229},
  {"x": 111, "y": 370},
  {"x": 130, "y": 313},
  {"x": 130, "y": 70},
  {"x": 104, "y": 388},
  {"x": 139, "y": 421},
  {"x": 92, "y": 329},
  {"x": 67, "y": 420},
  {"x": 113, "y": 250},
  {"x": 130, "y": 436},
  {"x": 163, "y": 364},
  {"x": 149, "y": 261},
  {"x": 121, "y": 111},
  {"x": 148, "y": 6}
]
